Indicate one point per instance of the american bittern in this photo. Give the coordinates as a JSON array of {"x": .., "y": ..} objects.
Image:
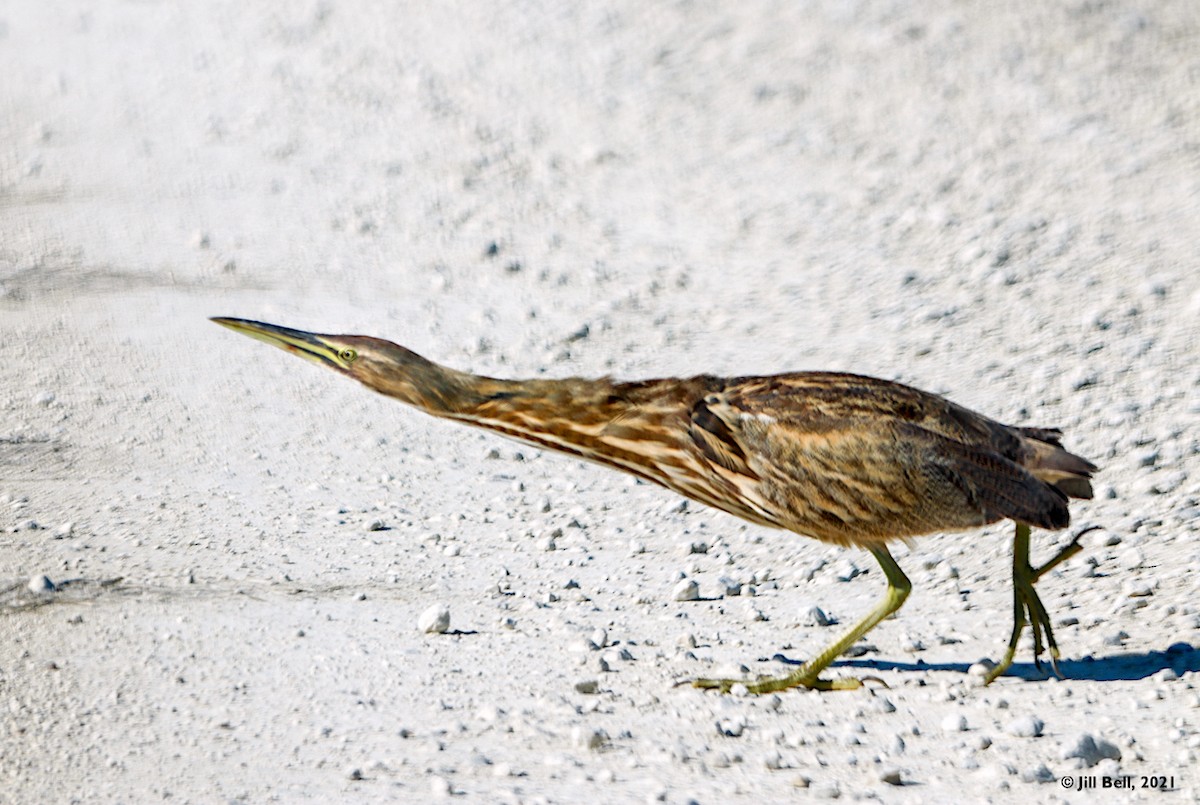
[{"x": 842, "y": 458}]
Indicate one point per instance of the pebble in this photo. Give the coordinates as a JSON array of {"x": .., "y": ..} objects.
[
  {"x": 589, "y": 738},
  {"x": 954, "y": 723},
  {"x": 730, "y": 587},
  {"x": 1137, "y": 589},
  {"x": 547, "y": 544},
  {"x": 815, "y": 616},
  {"x": 883, "y": 704},
  {"x": 1132, "y": 559},
  {"x": 44, "y": 398},
  {"x": 695, "y": 546},
  {"x": 636, "y": 546},
  {"x": 891, "y": 776},
  {"x": 686, "y": 590},
  {"x": 731, "y": 727},
  {"x": 1025, "y": 727},
  {"x": 582, "y": 646},
  {"x": 376, "y": 525},
  {"x": 1167, "y": 483},
  {"x": 1089, "y": 750},
  {"x": 1116, "y": 639},
  {"x": 435, "y": 620},
  {"x": 846, "y": 570},
  {"x": 440, "y": 787},
  {"x": 587, "y": 686},
  {"x": 830, "y": 790},
  {"x": 65, "y": 530},
  {"x": 980, "y": 669},
  {"x": 41, "y": 584},
  {"x": 1038, "y": 774}
]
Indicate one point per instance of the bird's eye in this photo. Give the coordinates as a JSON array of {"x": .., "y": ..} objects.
[{"x": 348, "y": 355}]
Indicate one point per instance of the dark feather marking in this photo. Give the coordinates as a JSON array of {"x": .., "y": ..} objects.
[{"x": 716, "y": 441}]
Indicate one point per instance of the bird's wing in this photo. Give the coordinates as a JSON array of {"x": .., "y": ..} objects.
[{"x": 848, "y": 470}]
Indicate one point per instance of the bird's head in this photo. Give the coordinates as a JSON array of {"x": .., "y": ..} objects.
[{"x": 381, "y": 365}]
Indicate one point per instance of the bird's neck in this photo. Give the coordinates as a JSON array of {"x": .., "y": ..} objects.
[{"x": 630, "y": 426}]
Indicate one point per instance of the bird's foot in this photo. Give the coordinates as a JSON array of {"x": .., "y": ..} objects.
[
  {"x": 1034, "y": 613},
  {"x": 1028, "y": 606},
  {"x": 800, "y": 679}
]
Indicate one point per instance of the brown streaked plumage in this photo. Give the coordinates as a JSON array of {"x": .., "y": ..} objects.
[{"x": 846, "y": 459}]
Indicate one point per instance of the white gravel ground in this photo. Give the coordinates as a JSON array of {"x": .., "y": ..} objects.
[{"x": 1000, "y": 202}]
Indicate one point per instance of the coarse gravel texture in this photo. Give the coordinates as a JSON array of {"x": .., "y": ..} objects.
[{"x": 1000, "y": 202}]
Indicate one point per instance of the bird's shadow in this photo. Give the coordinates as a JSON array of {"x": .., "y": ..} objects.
[{"x": 1179, "y": 657}]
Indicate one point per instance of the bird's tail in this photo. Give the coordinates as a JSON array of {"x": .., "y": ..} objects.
[{"x": 1042, "y": 454}]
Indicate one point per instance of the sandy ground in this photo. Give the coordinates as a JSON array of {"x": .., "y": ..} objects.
[{"x": 999, "y": 205}]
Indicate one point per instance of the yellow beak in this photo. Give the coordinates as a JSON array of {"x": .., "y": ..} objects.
[{"x": 310, "y": 346}]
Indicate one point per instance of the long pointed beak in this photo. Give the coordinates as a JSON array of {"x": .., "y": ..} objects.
[{"x": 298, "y": 342}]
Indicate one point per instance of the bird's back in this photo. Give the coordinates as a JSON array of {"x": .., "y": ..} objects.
[{"x": 853, "y": 459}]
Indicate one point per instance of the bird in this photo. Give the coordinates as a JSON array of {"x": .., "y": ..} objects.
[{"x": 846, "y": 459}]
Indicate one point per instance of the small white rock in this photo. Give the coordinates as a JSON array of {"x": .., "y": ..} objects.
[
  {"x": 954, "y": 723},
  {"x": 686, "y": 590},
  {"x": 815, "y": 616},
  {"x": 587, "y": 738},
  {"x": 435, "y": 620},
  {"x": 883, "y": 704},
  {"x": 1117, "y": 638},
  {"x": 1090, "y": 750},
  {"x": 1025, "y": 727},
  {"x": 980, "y": 669},
  {"x": 440, "y": 787},
  {"x": 1037, "y": 774},
  {"x": 41, "y": 584},
  {"x": 731, "y": 727},
  {"x": 1137, "y": 589},
  {"x": 846, "y": 570},
  {"x": 730, "y": 587}
]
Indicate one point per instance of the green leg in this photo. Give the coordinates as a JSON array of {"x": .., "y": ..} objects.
[
  {"x": 1026, "y": 602},
  {"x": 807, "y": 675}
]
